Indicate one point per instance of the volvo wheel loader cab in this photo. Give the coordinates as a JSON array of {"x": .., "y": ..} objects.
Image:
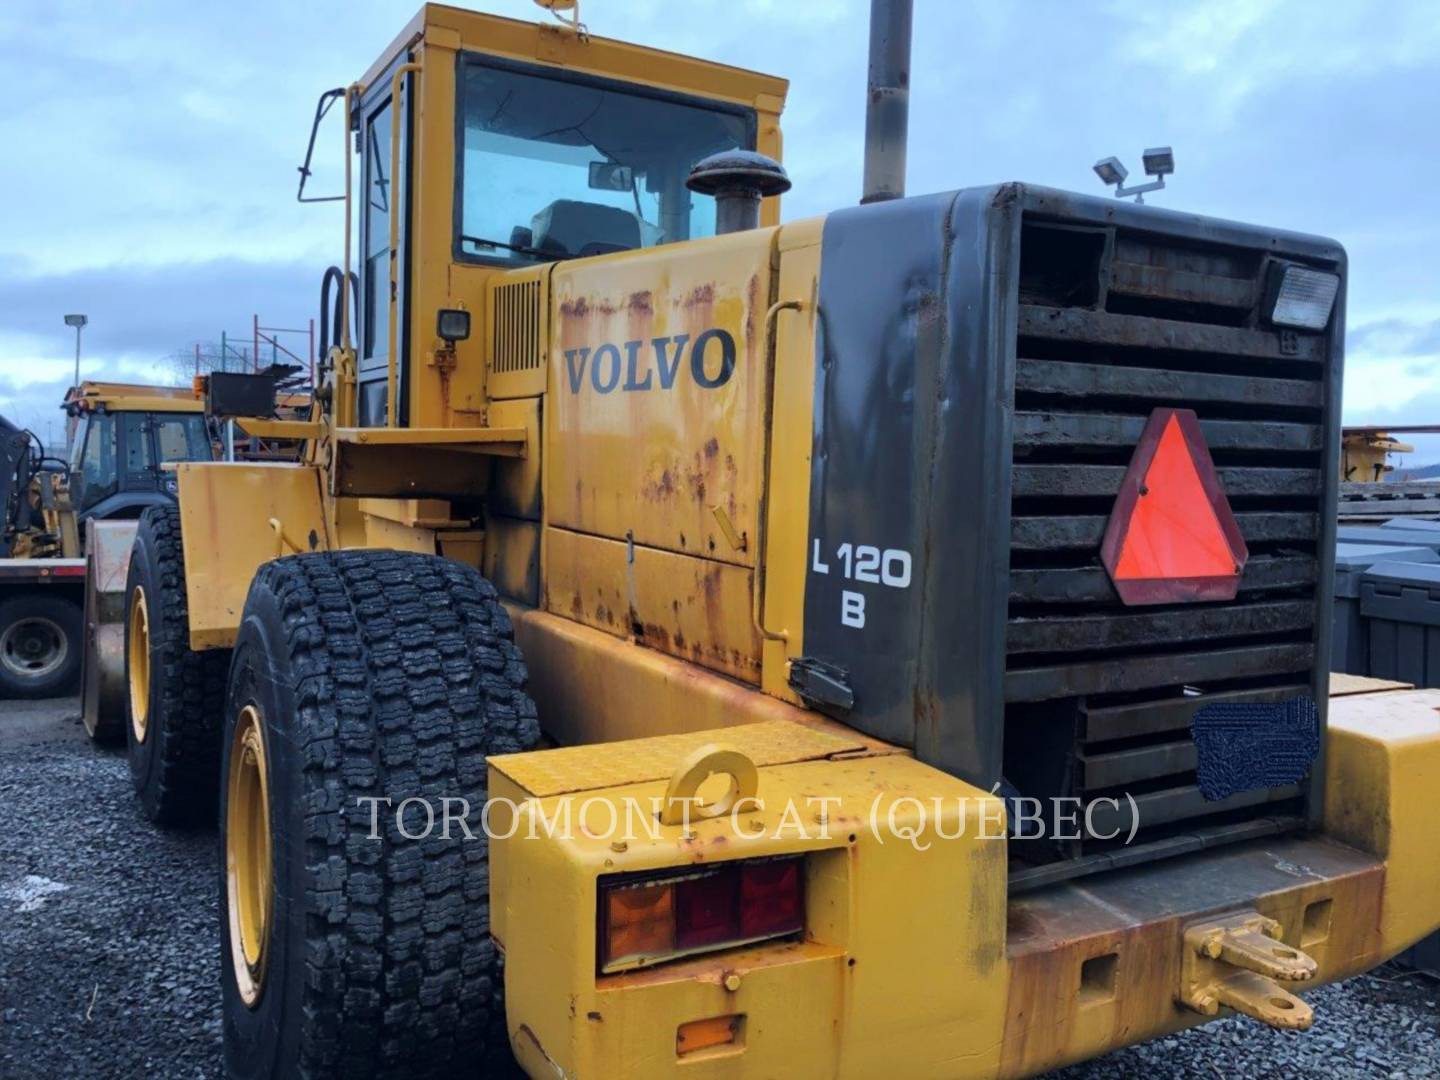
[{"x": 900, "y": 521}]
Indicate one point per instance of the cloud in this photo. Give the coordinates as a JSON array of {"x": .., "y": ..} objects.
[
  {"x": 1196, "y": 41},
  {"x": 1392, "y": 375},
  {"x": 155, "y": 309},
  {"x": 141, "y": 317},
  {"x": 1396, "y": 337},
  {"x": 154, "y": 182}
]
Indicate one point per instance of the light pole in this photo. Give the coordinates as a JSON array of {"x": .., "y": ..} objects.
[{"x": 77, "y": 321}]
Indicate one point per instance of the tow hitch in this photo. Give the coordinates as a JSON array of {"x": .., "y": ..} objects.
[{"x": 1239, "y": 961}]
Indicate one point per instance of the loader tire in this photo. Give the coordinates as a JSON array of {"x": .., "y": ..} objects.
[
  {"x": 176, "y": 696},
  {"x": 41, "y": 639},
  {"x": 349, "y": 949}
]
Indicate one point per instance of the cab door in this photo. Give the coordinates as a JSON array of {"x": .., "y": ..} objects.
[
  {"x": 93, "y": 471},
  {"x": 382, "y": 197}
]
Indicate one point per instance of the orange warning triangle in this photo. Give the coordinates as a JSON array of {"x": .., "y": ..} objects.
[
  {"x": 1171, "y": 537},
  {"x": 1173, "y": 530}
]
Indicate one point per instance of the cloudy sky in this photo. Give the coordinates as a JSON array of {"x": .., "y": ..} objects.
[{"x": 148, "y": 172}]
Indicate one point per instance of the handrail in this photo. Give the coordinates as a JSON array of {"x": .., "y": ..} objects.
[
  {"x": 392, "y": 361},
  {"x": 346, "y": 343}
]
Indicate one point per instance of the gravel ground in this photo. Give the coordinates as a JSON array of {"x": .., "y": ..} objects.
[
  {"x": 119, "y": 973},
  {"x": 109, "y": 964}
]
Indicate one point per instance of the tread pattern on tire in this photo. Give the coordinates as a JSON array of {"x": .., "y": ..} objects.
[
  {"x": 407, "y": 676},
  {"x": 188, "y": 686}
]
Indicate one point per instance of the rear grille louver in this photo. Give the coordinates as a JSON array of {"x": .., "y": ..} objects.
[
  {"x": 1112, "y": 325},
  {"x": 516, "y": 344}
]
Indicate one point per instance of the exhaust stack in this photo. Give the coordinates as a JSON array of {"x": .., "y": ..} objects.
[{"x": 887, "y": 109}]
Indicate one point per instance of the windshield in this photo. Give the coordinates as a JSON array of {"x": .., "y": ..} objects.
[{"x": 554, "y": 168}]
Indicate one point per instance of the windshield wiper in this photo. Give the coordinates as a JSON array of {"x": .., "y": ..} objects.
[{"x": 480, "y": 241}]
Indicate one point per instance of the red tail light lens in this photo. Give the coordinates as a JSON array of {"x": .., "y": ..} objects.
[
  {"x": 649, "y": 918},
  {"x": 707, "y": 910},
  {"x": 771, "y": 899}
]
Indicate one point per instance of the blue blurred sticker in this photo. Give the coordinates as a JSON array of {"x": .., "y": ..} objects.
[{"x": 1246, "y": 746}]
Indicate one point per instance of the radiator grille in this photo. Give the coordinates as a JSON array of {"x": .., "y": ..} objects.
[
  {"x": 516, "y": 345},
  {"x": 1099, "y": 696}
]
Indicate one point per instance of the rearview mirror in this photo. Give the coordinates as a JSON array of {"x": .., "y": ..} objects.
[
  {"x": 328, "y": 98},
  {"x": 610, "y": 176}
]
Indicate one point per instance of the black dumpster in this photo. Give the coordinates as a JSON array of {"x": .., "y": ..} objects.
[{"x": 1349, "y": 639}]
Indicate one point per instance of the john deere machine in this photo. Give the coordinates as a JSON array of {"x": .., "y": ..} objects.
[
  {"x": 875, "y": 530},
  {"x": 122, "y": 436}
]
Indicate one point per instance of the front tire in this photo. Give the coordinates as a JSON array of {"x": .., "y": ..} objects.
[
  {"x": 349, "y": 949},
  {"x": 175, "y": 696}
]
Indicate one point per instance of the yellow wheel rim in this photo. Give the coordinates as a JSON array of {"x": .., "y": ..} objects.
[
  {"x": 248, "y": 870},
  {"x": 139, "y": 665}
]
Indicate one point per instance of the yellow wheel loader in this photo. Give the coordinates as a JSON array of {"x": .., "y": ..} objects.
[{"x": 890, "y": 643}]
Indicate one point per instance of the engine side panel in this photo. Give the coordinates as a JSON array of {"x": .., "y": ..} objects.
[
  {"x": 658, "y": 397},
  {"x": 902, "y": 588}
]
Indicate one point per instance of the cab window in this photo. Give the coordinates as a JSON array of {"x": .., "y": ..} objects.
[
  {"x": 77, "y": 442},
  {"x": 139, "y": 458},
  {"x": 377, "y": 235},
  {"x": 98, "y": 474},
  {"x": 559, "y": 167},
  {"x": 182, "y": 437}
]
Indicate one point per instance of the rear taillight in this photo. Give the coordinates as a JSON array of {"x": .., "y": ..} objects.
[
  {"x": 651, "y": 917},
  {"x": 771, "y": 896},
  {"x": 707, "y": 911},
  {"x": 639, "y": 921}
]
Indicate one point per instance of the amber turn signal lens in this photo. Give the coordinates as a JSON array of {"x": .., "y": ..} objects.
[
  {"x": 639, "y": 921},
  {"x": 651, "y": 917},
  {"x": 707, "y": 1034}
]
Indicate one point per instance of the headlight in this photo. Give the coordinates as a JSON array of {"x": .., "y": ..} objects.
[
  {"x": 1304, "y": 298},
  {"x": 452, "y": 324},
  {"x": 171, "y": 487},
  {"x": 651, "y": 917}
]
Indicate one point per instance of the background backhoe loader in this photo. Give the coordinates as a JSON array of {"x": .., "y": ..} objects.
[{"x": 121, "y": 438}]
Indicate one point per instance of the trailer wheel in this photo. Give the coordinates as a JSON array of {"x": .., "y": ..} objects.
[
  {"x": 362, "y": 679},
  {"x": 40, "y": 646},
  {"x": 176, "y": 695}
]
